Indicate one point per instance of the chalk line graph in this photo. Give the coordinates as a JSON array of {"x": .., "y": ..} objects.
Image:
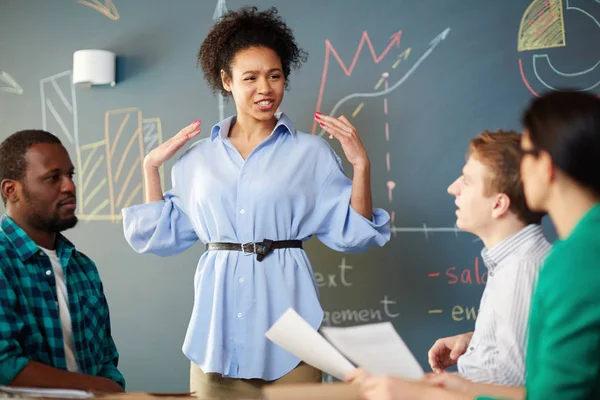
[
  {"x": 395, "y": 39},
  {"x": 381, "y": 89}
]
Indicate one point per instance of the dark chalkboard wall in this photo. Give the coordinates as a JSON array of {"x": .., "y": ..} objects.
[{"x": 417, "y": 78}]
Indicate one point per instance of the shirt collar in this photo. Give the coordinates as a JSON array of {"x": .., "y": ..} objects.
[
  {"x": 24, "y": 246},
  {"x": 590, "y": 218},
  {"x": 494, "y": 256},
  {"x": 284, "y": 124}
]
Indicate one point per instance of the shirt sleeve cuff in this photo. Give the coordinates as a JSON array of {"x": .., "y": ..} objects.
[
  {"x": 380, "y": 218},
  {"x": 147, "y": 211},
  {"x": 111, "y": 372},
  {"x": 10, "y": 368}
]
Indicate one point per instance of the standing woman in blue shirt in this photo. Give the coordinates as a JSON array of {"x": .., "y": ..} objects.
[{"x": 253, "y": 191}]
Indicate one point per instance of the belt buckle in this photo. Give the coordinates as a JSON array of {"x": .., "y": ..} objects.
[{"x": 248, "y": 253}]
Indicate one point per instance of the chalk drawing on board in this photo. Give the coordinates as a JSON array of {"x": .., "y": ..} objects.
[
  {"x": 108, "y": 178},
  {"x": 547, "y": 29},
  {"x": 432, "y": 45},
  {"x": 384, "y": 80},
  {"x": 578, "y": 75},
  {"x": 402, "y": 56},
  {"x": 391, "y": 185},
  {"x": 542, "y": 26},
  {"x": 525, "y": 80},
  {"x": 358, "y": 109},
  {"x": 124, "y": 146},
  {"x": 220, "y": 10},
  {"x": 387, "y": 133},
  {"x": 9, "y": 84},
  {"x": 570, "y": 7},
  {"x": 107, "y": 8},
  {"x": 426, "y": 230},
  {"x": 59, "y": 116},
  {"x": 112, "y": 167},
  {"x": 152, "y": 135},
  {"x": 93, "y": 172},
  {"x": 330, "y": 50}
]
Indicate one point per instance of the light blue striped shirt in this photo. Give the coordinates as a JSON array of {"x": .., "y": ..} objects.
[
  {"x": 291, "y": 186},
  {"x": 496, "y": 353}
]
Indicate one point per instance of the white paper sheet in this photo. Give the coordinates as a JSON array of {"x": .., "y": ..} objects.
[
  {"x": 377, "y": 348},
  {"x": 43, "y": 392},
  {"x": 295, "y": 335}
]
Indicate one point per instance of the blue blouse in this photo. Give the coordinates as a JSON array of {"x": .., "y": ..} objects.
[{"x": 291, "y": 186}]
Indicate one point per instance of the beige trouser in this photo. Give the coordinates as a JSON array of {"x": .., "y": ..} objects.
[{"x": 215, "y": 385}]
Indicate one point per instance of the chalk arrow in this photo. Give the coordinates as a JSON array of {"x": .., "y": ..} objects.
[
  {"x": 8, "y": 84},
  {"x": 432, "y": 45}
]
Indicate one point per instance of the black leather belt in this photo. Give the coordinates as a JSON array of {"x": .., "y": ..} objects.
[{"x": 261, "y": 249}]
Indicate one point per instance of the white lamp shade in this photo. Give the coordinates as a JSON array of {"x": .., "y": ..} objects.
[{"x": 95, "y": 67}]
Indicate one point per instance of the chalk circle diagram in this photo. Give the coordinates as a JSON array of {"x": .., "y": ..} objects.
[{"x": 543, "y": 27}]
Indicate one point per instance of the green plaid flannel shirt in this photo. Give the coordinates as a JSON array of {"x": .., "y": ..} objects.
[{"x": 30, "y": 327}]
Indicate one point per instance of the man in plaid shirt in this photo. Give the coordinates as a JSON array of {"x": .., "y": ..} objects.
[{"x": 54, "y": 318}]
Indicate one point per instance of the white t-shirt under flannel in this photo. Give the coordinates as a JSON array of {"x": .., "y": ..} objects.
[{"x": 63, "y": 308}]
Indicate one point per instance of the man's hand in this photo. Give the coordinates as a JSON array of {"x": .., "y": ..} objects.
[
  {"x": 36, "y": 374},
  {"x": 104, "y": 385},
  {"x": 445, "y": 352}
]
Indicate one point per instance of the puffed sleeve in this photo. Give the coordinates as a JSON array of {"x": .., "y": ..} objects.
[
  {"x": 161, "y": 227},
  {"x": 341, "y": 228}
]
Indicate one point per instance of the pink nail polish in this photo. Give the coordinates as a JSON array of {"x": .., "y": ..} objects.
[
  {"x": 322, "y": 124},
  {"x": 197, "y": 122}
]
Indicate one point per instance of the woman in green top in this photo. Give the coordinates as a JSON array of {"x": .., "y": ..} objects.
[{"x": 560, "y": 170}]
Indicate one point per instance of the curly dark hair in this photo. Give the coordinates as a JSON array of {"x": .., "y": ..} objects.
[
  {"x": 241, "y": 29},
  {"x": 14, "y": 149}
]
